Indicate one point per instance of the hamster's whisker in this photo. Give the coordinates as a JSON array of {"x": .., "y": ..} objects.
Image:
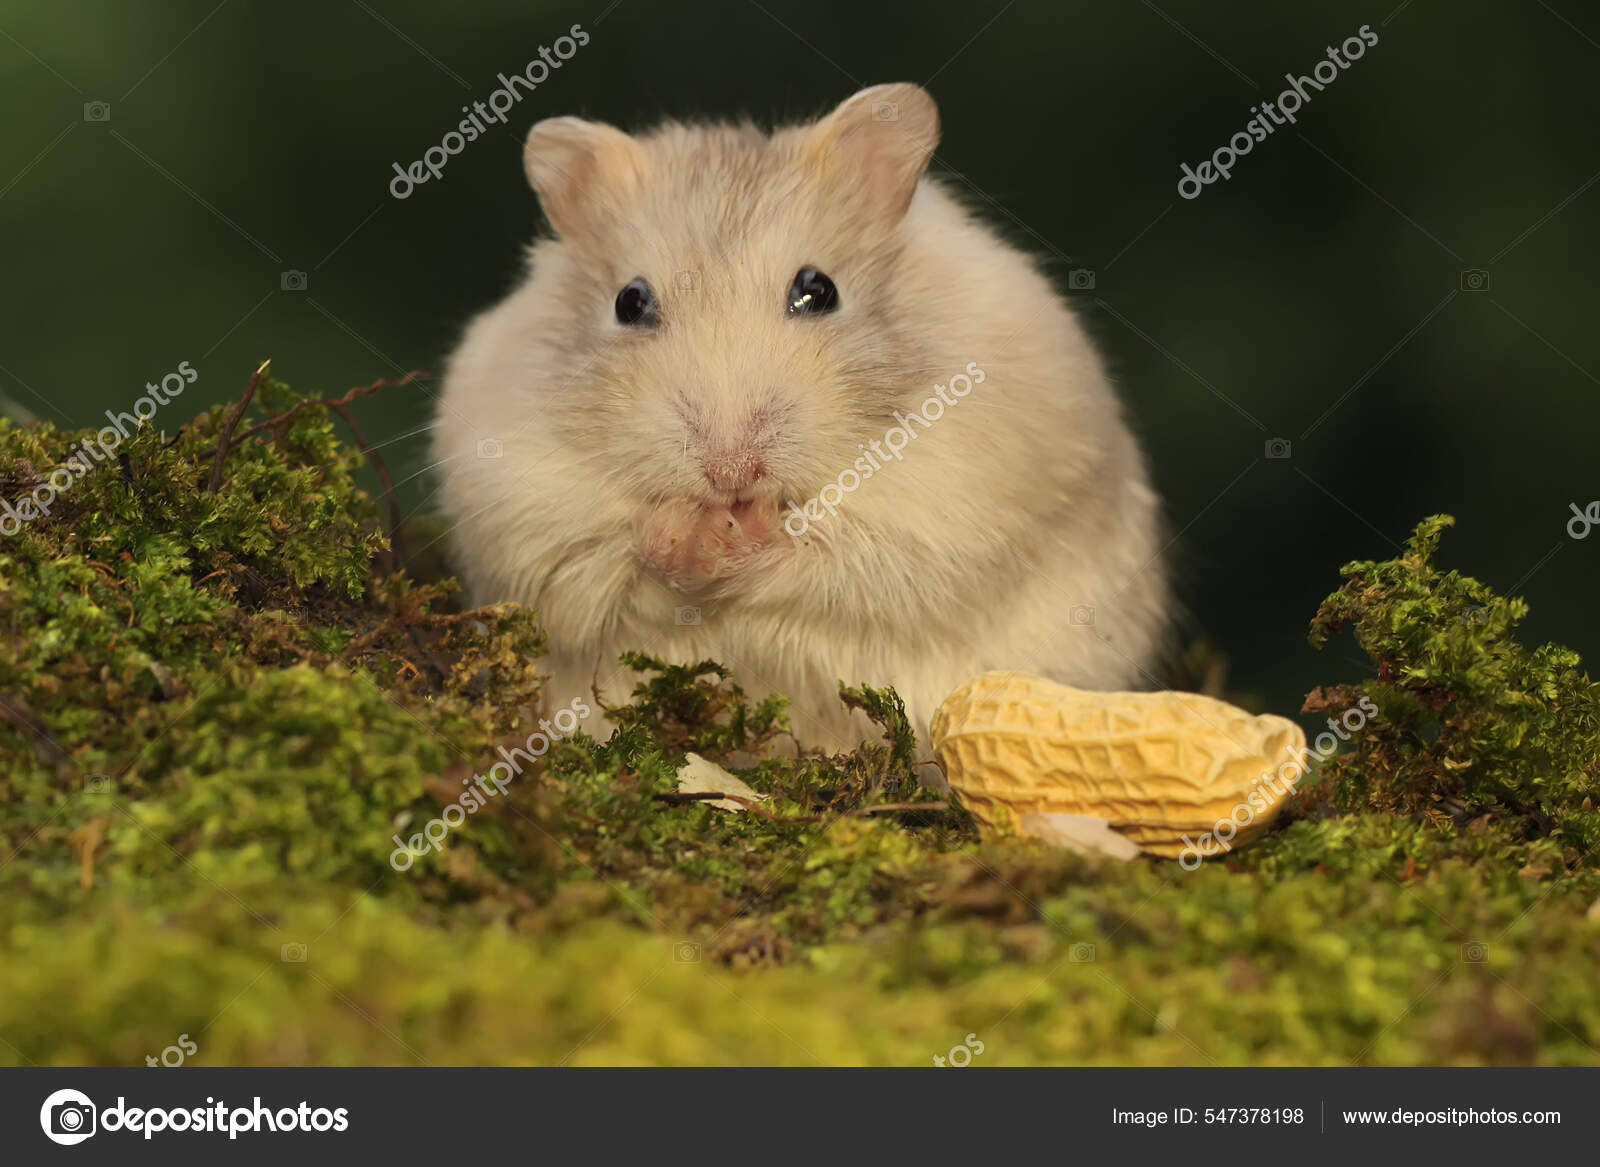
[
  {"x": 421, "y": 429},
  {"x": 421, "y": 506},
  {"x": 511, "y": 492},
  {"x": 425, "y": 469}
]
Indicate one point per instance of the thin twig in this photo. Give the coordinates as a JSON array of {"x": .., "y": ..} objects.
[
  {"x": 215, "y": 482},
  {"x": 359, "y": 391},
  {"x": 396, "y": 548},
  {"x": 754, "y": 808},
  {"x": 896, "y": 806}
]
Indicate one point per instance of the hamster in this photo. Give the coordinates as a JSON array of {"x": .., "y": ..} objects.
[{"x": 780, "y": 401}]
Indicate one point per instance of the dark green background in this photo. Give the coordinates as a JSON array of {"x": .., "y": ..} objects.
[{"x": 248, "y": 138}]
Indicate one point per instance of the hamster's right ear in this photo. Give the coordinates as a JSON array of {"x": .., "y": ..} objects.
[{"x": 576, "y": 167}]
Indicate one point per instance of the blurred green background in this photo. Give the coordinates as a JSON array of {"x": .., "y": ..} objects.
[{"x": 1317, "y": 297}]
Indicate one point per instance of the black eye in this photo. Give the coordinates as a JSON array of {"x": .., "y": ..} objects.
[
  {"x": 812, "y": 293},
  {"x": 636, "y": 304}
]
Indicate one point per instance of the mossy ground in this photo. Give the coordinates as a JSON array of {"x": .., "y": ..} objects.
[{"x": 221, "y": 705}]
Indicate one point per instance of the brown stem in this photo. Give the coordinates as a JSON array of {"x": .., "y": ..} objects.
[
  {"x": 754, "y": 808},
  {"x": 223, "y": 446},
  {"x": 359, "y": 391},
  {"x": 396, "y": 548}
]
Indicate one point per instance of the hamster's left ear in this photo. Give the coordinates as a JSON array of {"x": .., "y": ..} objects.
[{"x": 881, "y": 140}]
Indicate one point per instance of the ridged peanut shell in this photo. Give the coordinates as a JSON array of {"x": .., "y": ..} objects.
[{"x": 1157, "y": 766}]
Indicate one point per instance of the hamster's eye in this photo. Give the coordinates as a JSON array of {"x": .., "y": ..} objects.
[
  {"x": 636, "y": 304},
  {"x": 812, "y": 293}
]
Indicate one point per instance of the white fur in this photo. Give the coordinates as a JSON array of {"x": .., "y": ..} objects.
[{"x": 1025, "y": 500}]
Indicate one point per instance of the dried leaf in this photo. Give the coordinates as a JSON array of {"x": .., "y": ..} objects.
[
  {"x": 698, "y": 776},
  {"x": 1078, "y": 832},
  {"x": 86, "y": 841}
]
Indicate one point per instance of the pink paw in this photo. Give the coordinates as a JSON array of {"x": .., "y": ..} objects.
[{"x": 694, "y": 544}]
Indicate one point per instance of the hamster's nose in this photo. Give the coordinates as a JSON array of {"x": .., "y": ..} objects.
[
  {"x": 732, "y": 457},
  {"x": 732, "y": 450},
  {"x": 734, "y": 470}
]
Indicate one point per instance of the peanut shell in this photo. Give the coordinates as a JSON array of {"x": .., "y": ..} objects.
[{"x": 1157, "y": 766}]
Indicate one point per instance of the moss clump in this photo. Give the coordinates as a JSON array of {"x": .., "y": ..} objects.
[
  {"x": 217, "y": 677},
  {"x": 1470, "y": 722},
  {"x": 688, "y": 708},
  {"x": 220, "y": 709}
]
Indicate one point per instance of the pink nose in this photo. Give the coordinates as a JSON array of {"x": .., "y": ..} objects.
[
  {"x": 732, "y": 455},
  {"x": 734, "y": 470}
]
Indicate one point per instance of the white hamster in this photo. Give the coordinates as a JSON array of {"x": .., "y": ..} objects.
[{"x": 779, "y": 400}]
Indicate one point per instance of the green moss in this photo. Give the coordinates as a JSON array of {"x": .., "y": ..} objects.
[
  {"x": 222, "y": 709},
  {"x": 1469, "y": 721}
]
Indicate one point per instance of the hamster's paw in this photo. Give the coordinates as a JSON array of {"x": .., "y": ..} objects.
[{"x": 691, "y": 543}]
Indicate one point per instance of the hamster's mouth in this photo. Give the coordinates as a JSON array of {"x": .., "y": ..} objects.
[
  {"x": 743, "y": 508},
  {"x": 697, "y": 541}
]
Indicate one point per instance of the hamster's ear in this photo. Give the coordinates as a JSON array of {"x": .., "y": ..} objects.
[
  {"x": 576, "y": 167},
  {"x": 882, "y": 139}
]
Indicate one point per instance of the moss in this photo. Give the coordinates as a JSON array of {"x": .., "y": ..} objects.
[
  {"x": 1469, "y": 721},
  {"x": 222, "y": 710}
]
